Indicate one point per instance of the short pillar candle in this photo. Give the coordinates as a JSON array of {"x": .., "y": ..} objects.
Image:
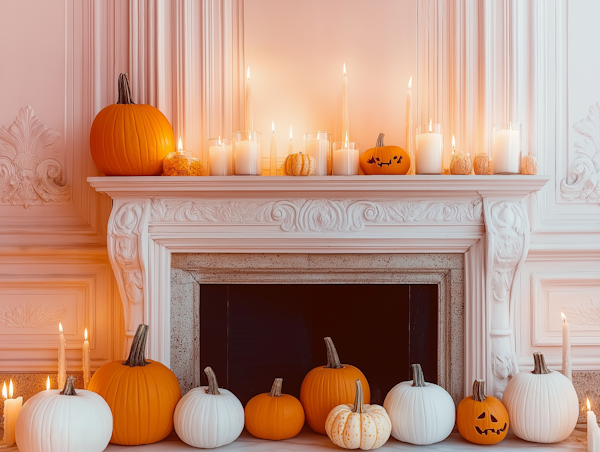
[
  {"x": 506, "y": 147},
  {"x": 220, "y": 157},
  {"x": 430, "y": 149},
  {"x": 345, "y": 158},
  {"x": 246, "y": 153},
  {"x": 318, "y": 145}
]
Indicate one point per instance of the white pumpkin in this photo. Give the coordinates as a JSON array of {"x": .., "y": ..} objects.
[
  {"x": 358, "y": 426},
  {"x": 64, "y": 421},
  {"x": 421, "y": 413},
  {"x": 209, "y": 417},
  {"x": 542, "y": 405}
]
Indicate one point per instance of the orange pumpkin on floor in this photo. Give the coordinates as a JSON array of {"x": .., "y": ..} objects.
[
  {"x": 482, "y": 419},
  {"x": 326, "y": 387},
  {"x": 142, "y": 395},
  {"x": 274, "y": 415},
  {"x": 128, "y": 139}
]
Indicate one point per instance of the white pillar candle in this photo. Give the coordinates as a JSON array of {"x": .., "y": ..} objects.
[
  {"x": 566, "y": 349},
  {"x": 62, "y": 358},
  {"x": 506, "y": 151},
  {"x": 409, "y": 127},
  {"x": 593, "y": 431},
  {"x": 12, "y": 408},
  {"x": 345, "y": 110},
  {"x": 219, "y": 158},
  {"x": 429, "y": 152},
  {"x": 249, "y": 117},
  {"x": 247, "y": 159},
  {"x": 317, "y": 146},
  {"x": 85, "y": 349},
  {"x": 273, "y": 152},
  {"x": 345, "y": 159}
]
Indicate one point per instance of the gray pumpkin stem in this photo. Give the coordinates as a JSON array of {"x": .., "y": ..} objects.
[
  {"x": 69, "y": 388},
  {"x": 540, "y": 367},
  {"x": 479, "y": 391},
  {"x": 333, "y": 360},
  {"x": 124, "y": 90},
  {"x": 276, "y": 388},
  {"x": 358, "y": 400},
  {"x": 418, "y": 379},
  {"x": 137, "y": 354},
  {"x": 379, "y": 143},
  {"x": 213, "y": 386}
]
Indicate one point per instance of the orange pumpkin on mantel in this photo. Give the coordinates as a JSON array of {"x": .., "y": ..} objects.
[
  {"x": 142, "y": 395},
  {"x": 128, "y": 139},
  {"x": 326, "y": 387},
  {"x": 384, "y": 159}
]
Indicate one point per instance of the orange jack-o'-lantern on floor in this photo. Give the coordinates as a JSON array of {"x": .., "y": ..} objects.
[{"x": 482, "y": 419}]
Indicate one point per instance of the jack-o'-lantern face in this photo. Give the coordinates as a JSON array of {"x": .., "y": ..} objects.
[
  {"x": 488, "y": 424},
  {"x": 385, "y": 159}
]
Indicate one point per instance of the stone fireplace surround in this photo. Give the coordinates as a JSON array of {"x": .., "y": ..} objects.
[{"x": 482, "y": 217}]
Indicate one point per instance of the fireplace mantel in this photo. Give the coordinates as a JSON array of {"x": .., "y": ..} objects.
[{"x": 153, "y": 217}]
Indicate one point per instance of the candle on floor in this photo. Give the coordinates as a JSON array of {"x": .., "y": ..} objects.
[
  {"x": 409, "y": 127},
  {"x": 62, "y": 358},
  {"x": 506, "y": 148},
  {"x": 429, "y": 152},
  {"x": 566, "y": 349},
  {"x": 593, "y": 431},
  {"x": 12, "y": 408},
  {"x": 345, "y": 112},
  {"x": 219, "y": 157},
  {"x": 317, "y": 145},
  {"x": 249, "y": 117},
  {"x": 345, "y": 158},
  {"x": 86, "y": 360},
  {"x": 246, "y": 150},
  {"x": 273, "y": 152}
]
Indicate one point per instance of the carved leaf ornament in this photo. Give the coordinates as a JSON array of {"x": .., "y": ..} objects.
[
  {"x": 587, "y": 313},
  {"x": 29, "y": 175},
  {"x": 583, "y": 181},
  {"x": 30, "y": 315}
]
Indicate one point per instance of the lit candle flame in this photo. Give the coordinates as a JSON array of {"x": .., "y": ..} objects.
[
  {"x": 180, "y": 145},
  {"x": 48, "y": 383},
  {"x": 564, "y": 317},
  {"x": 429, "y": 125},
  {"x": 273, "y": 126},
  {"x": 248, "y": 73},
  {"x": 344, "y": 69},
  {"x": 4, "y": 393},
  {"x": 60, "y": 327},
  {"x": 453, "y": 141},
  {"x": 410, "y": 82},
  {"x": 10, "y": 389},
  {"x": 85, "y": 335},
  {"x": 290, "y": 133},
  {"x": 588, "y": 404},
  {"x": 346, "y": 138}
]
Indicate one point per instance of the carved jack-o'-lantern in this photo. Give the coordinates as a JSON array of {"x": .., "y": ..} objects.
[
  {"x": 482, "y": 419},
  {"x": 384, "y": 159}
]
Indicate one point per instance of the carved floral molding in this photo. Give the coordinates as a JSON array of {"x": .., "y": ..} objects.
[
  {"x": 583, "y": 180},
  {"x": 316, "y": 215},
  {"x": 30, "y": 316},
  {"x": 29, "y": 174},
  {"x": 586, "y": 314}
]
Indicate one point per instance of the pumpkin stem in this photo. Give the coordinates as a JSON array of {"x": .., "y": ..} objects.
[
  {"x": 479, "y": 391},
  {"x": 358, "y": 400},
  {"x": 276, "y": 388},
  {"x": 137, "y": 354},
  {"x": 213, "y": 386},
  {"x": 124, "y": 90},
  {"x": 540, "y": 364},
  {"x": 379, "y": 143},
  {"x": 69, "y": 388},
  {"x": 418, "y": 379},
  {"x": 333, "y": 360}
]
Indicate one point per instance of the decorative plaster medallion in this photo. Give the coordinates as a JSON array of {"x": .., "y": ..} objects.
[
  {"x": 29, "y": 175},
  {"x": 316, "y": 215},
  {"x": 583, "y": 179},
  {"x": 30, "y": 316},
  {"x": 587, "y": 313}
]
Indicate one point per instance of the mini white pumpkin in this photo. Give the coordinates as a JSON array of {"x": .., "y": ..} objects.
[
  {"x": 542, "y": 405},
  {"x": 64, "y": 421},
  {"x": 358, "y": 426},
  {"x": 209, "y": 417},
  {"x": 421, "y": 413}
]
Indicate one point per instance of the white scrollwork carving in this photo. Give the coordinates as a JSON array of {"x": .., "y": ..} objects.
[
  {"x": 587, "y": 313},
  {"x": 583, "y": 181},
  {"x": 30, "y": 315},
  {"x": 29, "y": 173},
  {"x": 316, "y": 215}
]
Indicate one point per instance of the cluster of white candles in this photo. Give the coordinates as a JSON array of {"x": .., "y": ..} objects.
[{"x": 62, "y": 359}]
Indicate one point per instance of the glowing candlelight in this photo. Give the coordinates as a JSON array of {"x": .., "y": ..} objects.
[
  {"x": 566, "y": 349},
  {"x": 48, "y": 383},
  {"x": 12, "y": 408},
  {"x": 345, "y": 110},
  {"x": 62, "y": 358},
  {"x": 86, "y": 360},
  {"x": 273, "y": 153}
]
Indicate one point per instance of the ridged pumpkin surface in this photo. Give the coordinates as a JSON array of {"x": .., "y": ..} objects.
[
  {"x": 300, "y": 165},
  {"x": 384, "y": 159},
  {"x": 326, "y": 387},
  {"x": 130, "y": 140}
]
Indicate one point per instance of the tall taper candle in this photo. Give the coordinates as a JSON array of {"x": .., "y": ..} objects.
[
  {"x": 86, "y": 360},
  {"x": 291, "y": 146},
  {"x": 249, "y": 118},
  {"x": 62, "y": 358},
  {"x": 345, "y": 112},
  {"x": 566, "y": 349},
  {"x": 12, "y": 408},
  {"x": 409, "y": 128},
  {"x": 273, "y": 153}
]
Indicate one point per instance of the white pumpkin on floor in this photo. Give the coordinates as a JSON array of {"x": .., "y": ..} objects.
[
  {"x": 64, "y": 421},
  {"x": 358, "y": 426},
  {"x": 542, "y": 405},
  {"x": 209, "y": 417},
  {"x": 421, "y": 413}
]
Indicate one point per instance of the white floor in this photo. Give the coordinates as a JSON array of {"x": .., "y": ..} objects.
[{"x": 308, "y": 441}]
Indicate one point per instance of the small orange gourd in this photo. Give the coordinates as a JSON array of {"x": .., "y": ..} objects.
[
  {"x": 300, "y": 165},
  {"x": 326, "y": 387},
  {"x": 384, "y": 159},
  {"x": 274, "y": 415},
  {"x": 128, "y": 139},
  {"x": 142, "y": 395},
  {"x": 529, "y": 165},
  {"x": 482, "y": 419}
]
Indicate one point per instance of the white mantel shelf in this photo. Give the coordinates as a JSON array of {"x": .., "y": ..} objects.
[{"x": 484, "y": 217}]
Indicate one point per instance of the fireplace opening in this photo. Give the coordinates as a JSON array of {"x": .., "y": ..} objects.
[{"x": 252, "y": 333}]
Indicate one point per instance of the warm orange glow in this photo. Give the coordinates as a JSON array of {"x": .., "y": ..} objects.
[
  {"x": 290, "y": 133},
  {"x": 410, "y": 82},
  {"x": 180, "y": 145},
  {"x": 4, "y": 393},
  {"x": 60, "y": 327},
  {"x": 273, "y": 126},
  {"x": 344, "y": 69},
  {"x": 85, "y": 335},
  {"x": 11, "y": 390},
  {"x": 248, "y": 73},
  {"x": 48, "y": 383},
  {"x": 453, "y": 141},
  {"x": 219, "y": 140},
  {"x": 588, "y": 404},
  {"x": 564, "y": 317},
  {"x": 346, "y": 138},
  {"x": 429, "y": 125}
]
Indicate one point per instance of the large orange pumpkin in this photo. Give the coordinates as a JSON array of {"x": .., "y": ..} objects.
[
  {"x": 274, "y": 415},
  {"x": 482, "y": 419},
  {"x": 384, "y": 159},
  {"x": 128, "y": 139},
  {"x": 326, "y": 387},
  {"x": 142, "y": 395}
]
